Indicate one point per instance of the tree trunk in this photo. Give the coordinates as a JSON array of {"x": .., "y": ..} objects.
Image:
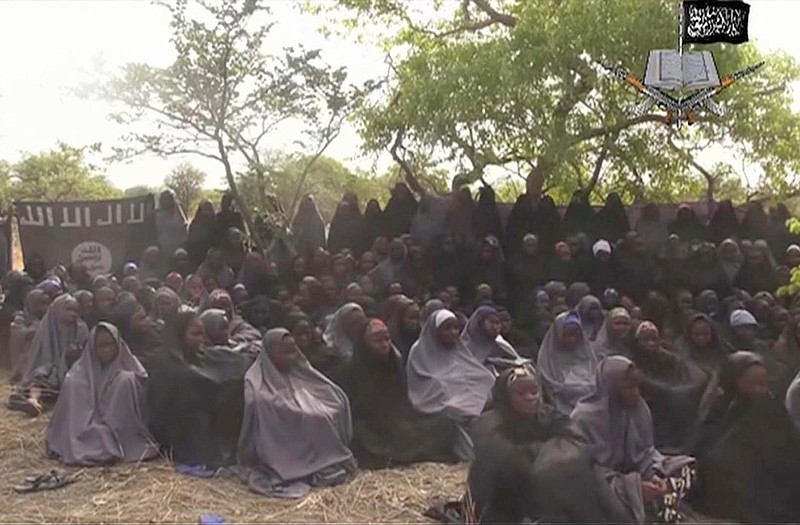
[{"x": 535, "y": 181}]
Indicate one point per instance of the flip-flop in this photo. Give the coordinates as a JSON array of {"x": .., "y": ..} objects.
[
  {"x": 50, "y": 481},
  {"x": 21, "y": 404}
]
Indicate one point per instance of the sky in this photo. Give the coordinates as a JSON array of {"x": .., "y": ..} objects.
[{"x": 50, "y": 47}]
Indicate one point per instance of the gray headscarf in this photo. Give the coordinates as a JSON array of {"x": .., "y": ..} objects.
[
  {"x": 443, "y": 379},
  {"x": 590, "y": 327},
  {"x": 334, "y": 335},
  {"x": 162, "y": 292},
  {"x": 731, "y": 268},
  {"x": 296, "y": 425},
  {"x": 479, "y": 344},
  {"x": 604, "y": 345},
  {"x": 99, "y": 417},
  {"x": 567, "y": 375},
  {"x": 171, "y": 228},
  {"x": 621, "y": 440},
  {"x": 46, "y": 363}
]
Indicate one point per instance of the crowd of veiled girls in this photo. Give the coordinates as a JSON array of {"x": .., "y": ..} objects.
[{"x": 617, "y": 368}]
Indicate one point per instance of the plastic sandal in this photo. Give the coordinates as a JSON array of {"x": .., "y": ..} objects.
[{"x": 50, "y": 481}]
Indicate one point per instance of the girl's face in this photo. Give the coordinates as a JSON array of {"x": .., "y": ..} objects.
[
  {"x": 221, "y": 335},
  {"x": 596, "y": 313},
  {"x": 455, "y": 296},
  {"x": 648, "y": 342},
  {"x": 491, "y": 326},
  {"x": 210, "y": 284},
  {"x": 627, "y": 390},
  {"x": 367, "y": 262},
  {"x": 411, "y": 323},
  {"x": 299, "y": 266},
  {"x": 71, "y": 313},
  {"x": 571, "y": 336},
  {"x": 195, "y": 287},
  {"x": 793, "y": 258},
  {"x": 685, "y": 301},
  {"x": 339, "y": 268},
  {"x": 379, "y": 343},
  {"x": 105, "y": 349},
  {"x": 619, "y": 327},
  {"x": 524, "y": 396},
  {"x": 745, "y": 334},
  {"x": 753, "y": 383},
  {"x": 303, "y": 334},
  {"x": 285, "y": 355},
  {"x": 700, "y": 334},
  {"x": 140, "y": 323},
  {"x": 448, "y": 333},
  {"x": 166, "y": 306},
  {"x": 729, "y": 252},
  {"x": 667, "y": 337},
  {"x": 41, "y": 305},
  {"x": 194, "y": 336},
  {"x": 354, "y": 323}
]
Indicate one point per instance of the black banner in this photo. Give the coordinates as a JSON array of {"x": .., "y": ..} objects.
[
  {"x": 712, "y": 21},
  {"x": 94, "y": 233}
]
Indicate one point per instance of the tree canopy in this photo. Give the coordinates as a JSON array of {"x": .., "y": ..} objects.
[
  {"x": 516, "y": 84},
  {"x": 186, "y": 182}
]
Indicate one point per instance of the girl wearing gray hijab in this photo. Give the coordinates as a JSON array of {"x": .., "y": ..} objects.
[
  {"x": 297, "y": 425},
  {"x": 345, "y": 328},
  {"x": 618, "y": 429},
  {"x": 566, "y": 363},
  {"x": 59, "y": 340},
  {"x": 444, "y": 376},
  {"x": 24, "y": 327},
  {"x": 99, "y": 417},
  {"x": 482, "y": 336}
]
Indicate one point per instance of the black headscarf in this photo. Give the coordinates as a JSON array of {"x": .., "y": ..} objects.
[
  {"x": 755, "y": 223},
  {"x": 227, "y": 217},
  {"x": 580, "y": 217},
  {"x": 399, "y": 211},
  {"x": 308, "y": 228},
  {"x": 687, "y": 226},
  {"x": 373, "y": 224},
  {"x": 346, "y": 231},
  {"x": 521, "y": 221},
  {"x": 486, "y": 219},
  {"x": 613, "y": 219},
  {"x": 723, "y": 224}
]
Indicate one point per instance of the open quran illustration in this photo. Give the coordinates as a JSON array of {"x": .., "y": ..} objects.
[{"x": 682, "y": 83}]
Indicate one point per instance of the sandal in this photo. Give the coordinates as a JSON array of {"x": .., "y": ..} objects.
[
  {"x": 50, "y": 481},
  {"x": 22, "y": 404}
]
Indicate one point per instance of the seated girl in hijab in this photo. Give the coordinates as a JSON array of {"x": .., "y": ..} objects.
[
  {"x": 387, "y": 431},
  {"x": 616, "y": 425},
  {"x": 166, "y": 305},
  {"x": 590, "y": 310},
  {"x": 195, "y": 395},
  {"x": 671, "y": 386},
  {"x": 404, "y": 324},
  {"x": 614, "y": 335},
  {"x": 24, "y": 328},
  {"x": 566, "y": 363},
  {"x": 445, "y": 378},
  {"x": 135, "y": 326},
  {"x": 193, "y": 291},
  {"x": 296, "y": 427},
  {"x": 58, "y": 342},
  {"x": 99, "y": 417},
  {"x": 747, "y": 449},
  {"x": 344, "y": 329},
  {"x": 240, "y": 331},
  {"x": 528, "y": 464},
  {"x": 482, "y": 337}
]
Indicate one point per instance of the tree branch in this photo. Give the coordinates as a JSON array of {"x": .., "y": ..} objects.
[
  {"x": 501, "y": 18},
  {"x": 598, "y": 166},
  {"x": 614, "y": 129},
  {"x": 410, "y": 178}
]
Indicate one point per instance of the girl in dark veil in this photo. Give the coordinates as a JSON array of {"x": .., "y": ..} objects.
[
  {"x": 308, "y": 228},
  {"x": 399, "y": 211},
  {"x": 486, "y": 219},
  {"x": 723, "y": 224},
  {"x": 373, "y": 224},
  {"x": 757, "y": 273},
  {"x": 521, "y": 221},
  {"x": 490, "y": 269},
  {"x": 580, "y": 217},
  {"x": 748, "y": 450},
  {"x": 227, "y": 217},
  {"x": 547, "y": 224},
  {"x": 651, "y": 227},
  {"x": 387, "y": 430},
  {"x": 202, "y": 230},
  {"x": 346, "y": 230},
  {"x": 778, "y": 235},
  {"x": 613, "y": 219},
  {"x": 460, "y": 208},
  {"x": 404, "y": 324},
  {"x": 755, "y": 223},
  {"x": 527, "y": 272},
  {"x": 687, "y": 226}
]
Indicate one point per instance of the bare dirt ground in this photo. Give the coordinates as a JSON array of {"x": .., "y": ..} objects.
[{"x": 153, "y": 492}]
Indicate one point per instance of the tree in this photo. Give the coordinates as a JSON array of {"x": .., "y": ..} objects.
[
  {"x": 61, "y": 174},
  {"x": 517, "y": 84},
  {"x": 186, "y": 182},
  {"x": 140, "y": 190},
  {"x": 223, "y": 95}
]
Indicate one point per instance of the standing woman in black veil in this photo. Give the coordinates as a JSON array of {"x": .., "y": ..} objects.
[
  {"x": 227, "y": 217},
  {"x": 521, "y": 221},
  {"x": 547, "y": 224},
  {"x": 308, "y": 228},
  {"x": 687, "y": 226},
  {"x": 201, "y": 234},
  {"x": 612, "y": 219},
  {"x": 374, "y": 225},
  {"x": 399, "y": 211},
  {"x": 346, "y": 226},
  {"x": 486, "y": 219},
  {"x": 755, "y": 223},
  {"x": 723, "y": 224},
  {"x": 579, "y": 217}
]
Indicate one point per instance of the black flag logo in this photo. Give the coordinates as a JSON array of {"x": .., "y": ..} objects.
[{"x": 712, "y": 21}]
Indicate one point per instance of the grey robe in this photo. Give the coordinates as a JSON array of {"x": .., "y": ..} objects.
[
  {"x": 621, "y": 440},
  {"x": 334, "y": 335},
  {"x": 99, "y": 417},
  {"x": 296, "y": 427},
  {"x": 567, "y": 376},
  {"x": 481, "y": 346}
]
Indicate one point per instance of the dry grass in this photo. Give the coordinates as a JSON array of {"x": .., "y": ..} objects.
[{"x": 152, "y": 492}]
